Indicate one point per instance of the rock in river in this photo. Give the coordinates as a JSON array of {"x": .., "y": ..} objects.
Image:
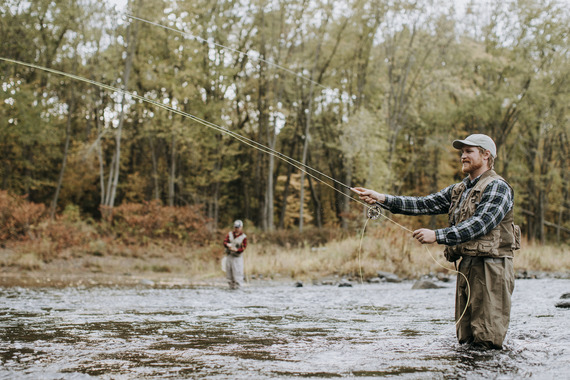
[
  {"x": 388, "y": 277},
  {"x": 423, "y": 284}
]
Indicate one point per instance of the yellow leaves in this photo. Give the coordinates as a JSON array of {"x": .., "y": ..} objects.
[{"x": 293, "y": 199}]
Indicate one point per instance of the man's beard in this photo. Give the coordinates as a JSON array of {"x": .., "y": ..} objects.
[{"x": 471, "y": 167}]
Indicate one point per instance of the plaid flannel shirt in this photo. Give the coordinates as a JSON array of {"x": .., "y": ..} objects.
[{"x": 496, "y": 202}]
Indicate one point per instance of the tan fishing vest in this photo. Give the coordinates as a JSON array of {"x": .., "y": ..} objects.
[{"x": 501, "y": 241}]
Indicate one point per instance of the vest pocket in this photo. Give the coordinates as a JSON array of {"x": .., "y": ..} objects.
[
  {"x": 452, "y": 253},
  {"x": 487, "y": 245}
]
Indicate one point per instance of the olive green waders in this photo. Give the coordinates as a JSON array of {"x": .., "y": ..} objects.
[{"x": 487, "y": 315}]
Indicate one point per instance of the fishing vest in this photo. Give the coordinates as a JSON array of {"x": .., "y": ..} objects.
[
  {"x": 501, "y": 241},
  {"x": 236, "y": 242}
]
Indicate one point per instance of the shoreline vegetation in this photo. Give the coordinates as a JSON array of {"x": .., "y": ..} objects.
[
  {"x": 147, "y": 243},
  {"x": 168, "y": 264}
]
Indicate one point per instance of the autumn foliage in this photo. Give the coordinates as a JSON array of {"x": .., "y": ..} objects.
[
  {"x": 141, "y": 222},
  {"x": 132, "y": 223},
  {"x": 18, "y": 217}
]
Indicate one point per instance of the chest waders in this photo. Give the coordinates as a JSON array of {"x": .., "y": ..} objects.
[{"x": 487, "y": 263}]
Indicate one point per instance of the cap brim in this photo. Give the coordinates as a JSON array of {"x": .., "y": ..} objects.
[{"x": 458, "y": 144}]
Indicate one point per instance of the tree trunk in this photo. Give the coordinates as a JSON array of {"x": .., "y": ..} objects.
[
  {"x": 317, "y": 203},
  {"x": 155, "y": 176},
  {"x": 266, "y": 209},
  {"x": 304, "y": 157},
  {"x": 307, "y": 137},
  {"x": 115, "y": 167},
  {"x": 217, "y": 203},
  {"x": 345, "y": 204},
  {"x": 540, "y": 215},
  {"x": 285, "y": 195},
  {"x": 287, "y": 186},
  {"x": 172, "y": 177},
  {"x": 100, "y": 156},
  {"x": 70, "y": 106},
  {"x": 269, "y": 193}
]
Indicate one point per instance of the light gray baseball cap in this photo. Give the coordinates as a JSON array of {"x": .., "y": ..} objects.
[
  {"x": 480, "y": 140},
  {"x": 238, "y": 224}
]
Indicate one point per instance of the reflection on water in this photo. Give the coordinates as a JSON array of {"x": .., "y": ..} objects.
[{"x": 269, "y": 331}]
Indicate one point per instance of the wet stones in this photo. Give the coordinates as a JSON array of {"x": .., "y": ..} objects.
[
  {"x": 531, "y": 275},
  {"x": 527, "y": 275},
  {"x": 425, "y": 284},
  {"x": 565, "y": 303},
  {"x": 388, "y": 277}
]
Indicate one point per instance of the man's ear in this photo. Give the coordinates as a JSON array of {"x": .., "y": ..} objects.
[{"x": 486, "y": 155}]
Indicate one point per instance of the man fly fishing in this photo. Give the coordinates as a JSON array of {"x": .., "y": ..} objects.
[
  {"x": 235, "y": 243},
  {"x": 481, "y": 236}
]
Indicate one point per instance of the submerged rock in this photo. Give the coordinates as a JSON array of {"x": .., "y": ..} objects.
[
  {"x": 563, "y": 304},
  {"x": 388, "y": 277},
  {"x": 423, "y": 284},
  {"x": 298, "y": 284},
  {"x": 529, "y": 275},
  {"x": 565, "y": 296},
  {"x": 442, "y": 277}
]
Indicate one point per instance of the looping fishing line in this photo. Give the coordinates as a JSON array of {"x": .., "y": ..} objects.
[
  {"x": 249, "y": 55},
  {"x": 251, "y": 143},
  {"x": 373, "y": 213}
]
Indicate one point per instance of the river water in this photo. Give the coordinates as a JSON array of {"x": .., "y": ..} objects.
[{"x": 270, "y": 330}]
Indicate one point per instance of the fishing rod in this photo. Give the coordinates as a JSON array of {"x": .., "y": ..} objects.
[
  {"x": 249, "y": 55},
  {"x": 373, "y": 211},
  {"x": 312, "y": 172}
]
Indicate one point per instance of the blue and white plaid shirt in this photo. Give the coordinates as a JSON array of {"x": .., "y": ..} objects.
[{"x": 496, "y": 202}]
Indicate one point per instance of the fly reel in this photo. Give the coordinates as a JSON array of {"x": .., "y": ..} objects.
[{"x": 374, "y": 212}]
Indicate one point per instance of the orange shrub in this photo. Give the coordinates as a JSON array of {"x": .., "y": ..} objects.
[
  {"x": 139, "y": 222},
  {"x": 63, "y": 234},
  {"x": 18, "y": 216}
]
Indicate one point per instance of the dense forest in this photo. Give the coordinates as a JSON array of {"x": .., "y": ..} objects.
[{"x": 181, "y": 101}]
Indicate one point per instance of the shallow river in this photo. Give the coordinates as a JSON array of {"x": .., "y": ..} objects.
[{"x": 272, "y": 331}]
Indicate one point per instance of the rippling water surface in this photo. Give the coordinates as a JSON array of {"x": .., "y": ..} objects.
[{"x": 272, "y": 331}]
